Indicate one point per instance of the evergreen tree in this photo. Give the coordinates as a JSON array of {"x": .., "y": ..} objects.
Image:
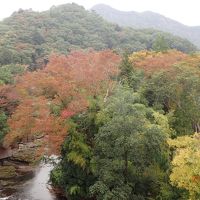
[{"x": 129, "y": 75}]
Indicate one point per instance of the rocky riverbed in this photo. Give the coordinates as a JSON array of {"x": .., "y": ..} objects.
[
  {"x": 18, "y": 166},
  {"x": 24, "y": 175},
  {"x": 35, "y": 188}
]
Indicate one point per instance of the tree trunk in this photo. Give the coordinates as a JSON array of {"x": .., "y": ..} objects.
[{"x": 196, "y": 127}]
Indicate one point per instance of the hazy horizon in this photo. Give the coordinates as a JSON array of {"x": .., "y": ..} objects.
[{"x": 185, "y": 12}]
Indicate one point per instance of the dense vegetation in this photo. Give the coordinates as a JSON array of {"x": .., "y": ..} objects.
[
  {"x": 121, "y": 147},
  {"x": 126, "y": 127},
  {"x": 121, "y": 123},
  {"x": 27, "y": 37}
]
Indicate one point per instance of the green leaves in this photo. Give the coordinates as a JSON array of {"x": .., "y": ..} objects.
[
  {"x": 74, "y": 190},
  {"x": 128, "y": 75},
  {"x": 160, "y": 44},
  {"x": 77, "y": 166},
  {"x": 7, "y": 73},
  {"x": 131, "y": 139},
  {"x": 3, "y": 126}
]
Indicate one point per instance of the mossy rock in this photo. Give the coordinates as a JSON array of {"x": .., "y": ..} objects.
[
  {"x": 26, "y": 155},
  {"x": 7, "y": 172},
  {"x": 6, "y": 183}
]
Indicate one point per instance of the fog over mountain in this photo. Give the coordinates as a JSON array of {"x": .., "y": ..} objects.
[{"x": 149, "y": 19}]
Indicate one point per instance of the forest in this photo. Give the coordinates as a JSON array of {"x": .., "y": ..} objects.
[
  {"x": 28, "y": 37},
  {"x": 119, "y": 106}
]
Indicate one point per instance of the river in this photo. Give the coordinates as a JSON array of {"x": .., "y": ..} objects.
[{"x": 36, "y": 188}]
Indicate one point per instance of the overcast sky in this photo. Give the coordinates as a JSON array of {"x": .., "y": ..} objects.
[{"x": 184, "y": 11}]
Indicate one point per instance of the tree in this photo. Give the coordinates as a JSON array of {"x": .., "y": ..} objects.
[
  {"x": 186, "y": 164},
  {"x": 6, "y": 56},
  {"x": 187, "y": 119},
  {"x": 8, "y": 72},
  {"x": 3, "y": 126},
  {"x": 74, "y": 173},
  {"x": 129, "y": 75},
  {"x": 131, "y": 141},
  {"x": 160, "y": 44},
  {"x": 152, "y": 62},
  {"x": 9, "y": 99},
  {"x": 60, "y": 90},
  {"x": 175, "y": 91}
]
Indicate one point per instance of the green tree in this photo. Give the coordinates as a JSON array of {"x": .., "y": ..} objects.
[
  {"x": 131, "y": 153},
  {"x": 129, "y": 75},
  {"x": 8, "y": 72},
  {"x": 3, "y": 126},
  {"x": 160, "y": 44},
  {"x": 74, "y": 172},
  {"x": 6, "y": 56},
  {"x": 177, "y": 93}
]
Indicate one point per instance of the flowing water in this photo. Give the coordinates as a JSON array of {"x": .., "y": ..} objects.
[{"x": 37, "y": 188}]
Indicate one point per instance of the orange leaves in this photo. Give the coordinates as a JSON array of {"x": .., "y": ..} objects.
[
  {"x": 151, "y": 61},
  {"x": 24, "y": 123},
  {"x": 85, "y": 70},
  {"x": 192, "y": 61},
  {"x": 196, "y": 179},
  {"x": 8, "y": 99},
  {"x": 55, "y": 130},
  {"x": 66, "y": 81}
]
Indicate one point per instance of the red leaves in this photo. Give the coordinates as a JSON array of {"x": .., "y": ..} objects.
[
  {"x": 85, "y": 70},
  {"x": 67, "y": 81},
  {"x": 66, "y": 114}
]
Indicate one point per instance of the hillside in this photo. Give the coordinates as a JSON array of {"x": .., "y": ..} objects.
[
  {"x": 106, "y": 110},
  {"x": 148, "y": 19},
  {"x": 90, "y": 110},
  {"x": 28, "y": 37}
]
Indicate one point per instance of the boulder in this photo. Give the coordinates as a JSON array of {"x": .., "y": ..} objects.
[{"x": 7, "y": 172}]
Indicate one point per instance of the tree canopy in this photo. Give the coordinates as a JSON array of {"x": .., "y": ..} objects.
[{"x": 28, "y": 37}]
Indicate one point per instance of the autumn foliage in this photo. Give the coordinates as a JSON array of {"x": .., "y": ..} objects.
[
  {"x": 151, "y": 61},
  {"x": 8, "y": 99},
  {"x": 66, "y": 84}
]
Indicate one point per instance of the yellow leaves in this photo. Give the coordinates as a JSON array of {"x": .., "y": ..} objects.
[
  {"x": 186, "y": 164},
  {"x": 162, "y": 120},
  {"x": 151, "y": 61},
  {"x": 76, "y": 158},
  {"x": 184, "y": 141}
]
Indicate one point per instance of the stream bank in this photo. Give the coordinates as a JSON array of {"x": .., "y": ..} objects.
[{"x": 24, "y": 175}]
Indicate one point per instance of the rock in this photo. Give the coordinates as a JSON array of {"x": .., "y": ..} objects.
[
  {"x": 25, "y": 170},
  {"x": 39, "y": 136},
  {"x": 9, "y": 163},
  {"x": 5, "y": 183},
  {"x": 25, "y": 173},
  {"x": 24, "y": 155},
  {"x": 7, "y": 172},
  {"x": 6, "y": 193}
]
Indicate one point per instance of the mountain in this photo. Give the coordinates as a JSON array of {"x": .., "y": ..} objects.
[
  {"x": 28, "y": 37},
  {"x": 148, "y": 19}
]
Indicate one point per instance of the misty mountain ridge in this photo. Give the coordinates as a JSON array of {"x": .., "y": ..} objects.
[
  {"x": 28, "y": 37},
  {"x": 148, "y": 19}
]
